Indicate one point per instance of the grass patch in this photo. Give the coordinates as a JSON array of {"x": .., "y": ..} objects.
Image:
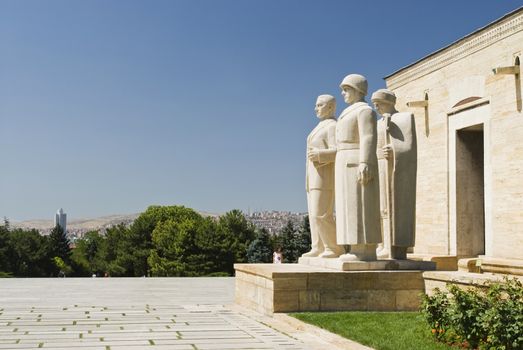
[{"x": 379, "y": 330}]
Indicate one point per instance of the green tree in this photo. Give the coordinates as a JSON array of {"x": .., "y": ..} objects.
[
  {"x": 58, "y": 246},
  {"x": 214, "y": 248},
  {"x": 62, "y": 267},
  {"x": 89, "y": 255},
  {"x": 5, "y": 264},
  {"x": 118, "y": 253},
  {"x": 303, "y": 237},
  {"x": 136, "y": 244},
  {"x": 238, "y": 233},
  {"x": 260, "y": 250},
  {"x": 28, "y": 254},
  {"x": 79, "y": 262},
  {"x": 167, "y": 241},
  {"x": 175, "y": 250},
  {"x": 189, "y": 245},
  {"x": 287, "y": 242},
  {"x": 293, "y": 241}
]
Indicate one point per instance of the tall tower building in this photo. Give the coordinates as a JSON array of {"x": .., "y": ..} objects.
[{"x": 61, "y": 219}]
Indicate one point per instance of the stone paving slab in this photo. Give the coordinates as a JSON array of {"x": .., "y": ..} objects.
[
  {"x": 129, "y": 313},
  {"x": 220, "y": 330}
]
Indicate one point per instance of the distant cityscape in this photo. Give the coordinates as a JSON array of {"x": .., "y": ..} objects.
[{"x": 271, "y": 220}]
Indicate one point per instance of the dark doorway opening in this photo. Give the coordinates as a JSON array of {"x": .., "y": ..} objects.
[{"x": 470, "y": 191}]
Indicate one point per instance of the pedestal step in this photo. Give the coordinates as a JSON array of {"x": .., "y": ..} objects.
[
  {"x": 443, "y": 262},
  {"x": 482, "y": 264},
  {"x": 381, "y": 265},
  {"x": 440, "y": 279},
  {"x": 269, "y": 288}
]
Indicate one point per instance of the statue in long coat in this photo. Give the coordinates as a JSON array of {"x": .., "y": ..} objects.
[
  {"x": 356, "y": 174},
  {"x": 397, "y": 160}
]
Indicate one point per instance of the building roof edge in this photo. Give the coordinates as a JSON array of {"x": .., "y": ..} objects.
[{"x": 455, "y": 43}]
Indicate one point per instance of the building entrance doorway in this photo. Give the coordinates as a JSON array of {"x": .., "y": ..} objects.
[
  {"x": 470, "y": 184},
  {"x": 470, "y": 191}
]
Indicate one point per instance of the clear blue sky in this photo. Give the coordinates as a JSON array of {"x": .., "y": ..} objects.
[{"x": 110, "y": 106}]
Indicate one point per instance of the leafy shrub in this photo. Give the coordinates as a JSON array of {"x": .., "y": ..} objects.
[
  {"x": 478, "y": 318},
  {"x": 466, "y": 314},
  {"x": 504, "y": 318},
  {"x": 435, "y": 310}
]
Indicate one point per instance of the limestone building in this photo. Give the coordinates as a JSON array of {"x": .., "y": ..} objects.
[{"x": 466, "y": 99}]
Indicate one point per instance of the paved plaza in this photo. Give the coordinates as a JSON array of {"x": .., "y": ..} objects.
[{"x": 131, "y": 313}]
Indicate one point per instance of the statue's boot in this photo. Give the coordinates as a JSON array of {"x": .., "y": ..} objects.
[
  {"x": 329, "y": 253},
  {"x": 349, "y": 257},
  {"x": 360, "y": 252},
  {"x": 382, "y": 252},
  {"x": 312, "y": 254},
  {"x": 399, "y": 253}
]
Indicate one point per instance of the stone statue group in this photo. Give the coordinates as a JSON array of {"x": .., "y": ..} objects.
[{"x": 364, "y": 169}]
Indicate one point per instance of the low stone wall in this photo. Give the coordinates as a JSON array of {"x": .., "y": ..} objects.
[
  {"x": 443, "y": 262},
  {"x": 492, "y": 265},
  {"x": 439, "y": 279},
  {"x": 269, "y": 288}
]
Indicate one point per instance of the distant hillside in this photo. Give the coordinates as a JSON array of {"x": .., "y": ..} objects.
[
  {"x": 272, "y": 220},
  {"x": 78, "y": 224},
  {"x": 85, "y": 225}
]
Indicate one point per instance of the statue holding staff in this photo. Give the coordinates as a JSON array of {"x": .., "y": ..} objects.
[{"x": 397, "y": 159}]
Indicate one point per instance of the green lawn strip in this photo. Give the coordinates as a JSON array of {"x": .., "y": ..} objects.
[{"x": 378, "y": 330}]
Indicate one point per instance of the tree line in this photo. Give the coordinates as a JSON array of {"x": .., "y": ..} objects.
[{"x": 162, "y": 241}]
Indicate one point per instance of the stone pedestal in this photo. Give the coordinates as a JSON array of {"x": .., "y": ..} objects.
[
  {"x": 378, "y": 265},
  {"x": 482, "y": 264},
  {"x": 465, "y": 279},
  {"x": 443, "y": 262},
  {"x": 269, "y": 288}
]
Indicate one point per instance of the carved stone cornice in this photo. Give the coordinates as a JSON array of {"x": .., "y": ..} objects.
[{"x": 478, "y": 40}]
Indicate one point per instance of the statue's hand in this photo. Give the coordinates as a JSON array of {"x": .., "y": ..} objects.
[
  {"x": 313, "y": 155},
  {"x": 363, "y": 174},
  {"x": 387, "y": 151}
]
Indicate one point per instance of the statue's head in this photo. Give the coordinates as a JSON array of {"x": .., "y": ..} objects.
[
  {"x": 325, "y": 106},
  {"x": 354, "y": 88},
  {"x": 384, "y": 101}
]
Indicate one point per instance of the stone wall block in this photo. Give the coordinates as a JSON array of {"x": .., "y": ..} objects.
[
  {"x": 408, "y": 300},
  {"x": 344, "y": 300},
  {"x": 292, "y": 283},
  {"x": 310, "y": 300}
]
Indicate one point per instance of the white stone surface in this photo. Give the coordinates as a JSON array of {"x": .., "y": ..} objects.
[
  {"x": 356, "y": 174},
  {"x": 377, "y": 265},
  {"x": 319, "y": 182},
  {"x": 129, "y": 313},
  {"x": 397, "y": 161}
]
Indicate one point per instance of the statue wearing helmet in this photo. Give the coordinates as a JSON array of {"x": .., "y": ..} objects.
[{"x": 357, "y": 199}]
